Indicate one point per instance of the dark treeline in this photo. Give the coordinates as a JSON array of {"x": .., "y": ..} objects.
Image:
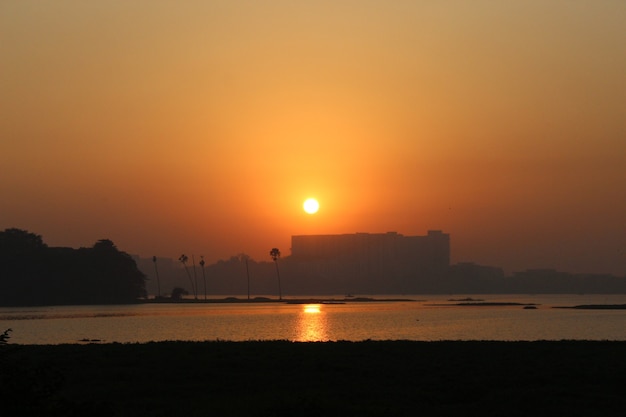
[
  {"x": 230, "y": 277},
  {"x": 233, "y": 276},
  {"x": 31, "y": 273},
  {"x": 471, "y": 278}
]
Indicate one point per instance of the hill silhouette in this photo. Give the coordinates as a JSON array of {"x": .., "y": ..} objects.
[{"x": 31, "y": 273}]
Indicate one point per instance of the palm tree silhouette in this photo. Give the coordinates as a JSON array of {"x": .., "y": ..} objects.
[
  {"x": 245, "y": 258},
  {"x": 156, "y": 271},
  {"x": 183, "y": 259},
  {"x": 195, "y": 276},
  {"x": 203, "y": 276},
  {"x": 275, "y": 254}
]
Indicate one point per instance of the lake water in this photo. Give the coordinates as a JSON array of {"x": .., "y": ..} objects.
[{"x": 424, "y": 319}]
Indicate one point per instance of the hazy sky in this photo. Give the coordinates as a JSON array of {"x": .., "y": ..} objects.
[{"x": 201, "y": 126}]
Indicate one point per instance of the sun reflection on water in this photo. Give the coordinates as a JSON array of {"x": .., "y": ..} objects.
[
  {"x": 312, "y": 326},
  {"x": 312, "y": 308}
]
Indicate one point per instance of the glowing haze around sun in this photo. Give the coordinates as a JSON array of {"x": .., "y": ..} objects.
[
  {"x": 311, "y": 206},
  {"x": 403, "y": 116}
]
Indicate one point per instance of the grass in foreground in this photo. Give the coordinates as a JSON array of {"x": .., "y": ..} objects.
[{"x": 280, "y": 378}]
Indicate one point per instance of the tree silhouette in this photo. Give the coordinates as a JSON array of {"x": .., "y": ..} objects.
[
  {"x": 275, "y": 254},
  {"x": 22, "y": 264},
  {"x": 195, "y": 276},
  {"x": 183, "y": 259},
  {"x": 114, "y": 273},
  {"x": 156, "y": 271},
  {"x": 203, "y": 275},
  {"x": 17, "y": 242},
  {"x": 177, "y": 293},
  {"x": 245, "y": 258},
  {"x": 4, "y": 337},
  {"x": 31, "y": 273}
]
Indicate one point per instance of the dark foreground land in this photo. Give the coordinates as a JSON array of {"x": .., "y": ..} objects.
[{"x": 279, "y": 378}]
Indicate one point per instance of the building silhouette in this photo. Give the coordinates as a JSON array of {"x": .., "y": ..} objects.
[{"x": 371, "y": 262}]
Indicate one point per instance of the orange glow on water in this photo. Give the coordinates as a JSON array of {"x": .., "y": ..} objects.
[
  {"x": 312, "y": 324},
  {"x": 312, "y": 308}
]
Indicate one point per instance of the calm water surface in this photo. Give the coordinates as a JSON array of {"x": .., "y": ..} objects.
[{"x": 425, "y": 319}]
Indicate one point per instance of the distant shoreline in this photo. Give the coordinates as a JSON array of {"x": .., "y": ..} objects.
[
  {"x": 463, "y": 302},
  {"x": 321, "y": 300},
  {"x": 306, "y": 300},
  {"x": 596, "y": 307}
]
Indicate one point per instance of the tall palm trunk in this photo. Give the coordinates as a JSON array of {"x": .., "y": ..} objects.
[
  {"x": 195, "y": 277},
  {"x": 275, "y": 254},
  {"x": 203, "y": 276},
  {"x": 280, "y": 292},
  {"x": 248, "y": 275},
  {"x": 156, "y": 271},
  {"x": 183, "y": 259}
]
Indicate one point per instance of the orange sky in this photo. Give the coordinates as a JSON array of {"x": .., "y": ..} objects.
[{"x": 201, "y": 127}]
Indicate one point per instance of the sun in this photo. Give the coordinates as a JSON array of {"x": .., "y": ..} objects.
[{"x": 311, "y": 205}]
